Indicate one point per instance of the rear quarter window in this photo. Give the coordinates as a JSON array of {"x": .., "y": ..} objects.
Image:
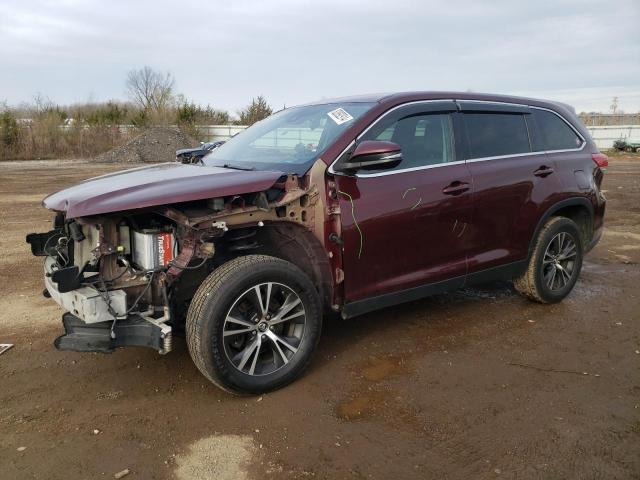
[
  {"x": 496, "y": 134},
  {"x": 554, "y": 133}
]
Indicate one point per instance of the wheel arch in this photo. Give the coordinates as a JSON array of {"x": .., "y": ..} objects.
[
  {"x": 296, "y": 244},
  {"x": 578, "y": 209}
]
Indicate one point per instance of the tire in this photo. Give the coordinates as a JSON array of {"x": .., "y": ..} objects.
[
  {"x": 544, "y": 281},
  {"x": 239, "y": 345}
]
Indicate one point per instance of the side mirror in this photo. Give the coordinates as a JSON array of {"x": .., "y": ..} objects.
[{"x": 372, "y": 155}]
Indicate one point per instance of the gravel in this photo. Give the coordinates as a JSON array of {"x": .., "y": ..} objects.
[{"x": 158, "y": 144}]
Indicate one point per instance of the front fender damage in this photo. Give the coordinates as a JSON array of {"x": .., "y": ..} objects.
[{"x": 203, "y": 233}]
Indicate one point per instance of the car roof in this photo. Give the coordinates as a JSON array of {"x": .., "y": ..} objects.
[
  {"x": 402, "y": 97},
  {"x": 365, "y": 98}
]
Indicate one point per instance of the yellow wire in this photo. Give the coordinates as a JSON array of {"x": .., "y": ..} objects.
[{"x": 355, "y": 222}]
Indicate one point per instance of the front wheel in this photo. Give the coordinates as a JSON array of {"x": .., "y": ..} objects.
[
  {"x": 555, "y": 262},
  {"x": 254, "y": 324}
]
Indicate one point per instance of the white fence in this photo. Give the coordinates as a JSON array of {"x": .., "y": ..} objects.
[
  {"x": 281, "y": 137},
  {"x": 604, "y": 136},
  {"x": 212, "y": 133},
  {"x": 205, "y": 132}
]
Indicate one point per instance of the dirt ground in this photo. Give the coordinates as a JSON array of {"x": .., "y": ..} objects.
[{"x": 477, "y": 384}]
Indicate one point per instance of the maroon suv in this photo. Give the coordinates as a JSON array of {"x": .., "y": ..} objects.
[{"x": 347, "y": 205}]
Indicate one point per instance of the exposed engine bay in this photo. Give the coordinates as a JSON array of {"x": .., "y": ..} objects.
[{"x": 126, "y": 278}]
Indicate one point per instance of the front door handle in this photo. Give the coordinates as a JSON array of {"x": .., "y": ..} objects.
[
  {"x": 456, "y": 188},
  {"x": 543, "y": 171}
]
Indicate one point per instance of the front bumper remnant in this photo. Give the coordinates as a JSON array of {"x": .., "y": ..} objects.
[
  {"x": 96, "y": 337},
  {"x": 86, "y": 303}
]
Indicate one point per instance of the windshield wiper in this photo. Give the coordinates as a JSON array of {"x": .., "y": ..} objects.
[{"x": 237, "y": 167}]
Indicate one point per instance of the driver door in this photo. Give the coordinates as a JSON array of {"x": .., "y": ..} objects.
[{"x": 404, "y": 229}]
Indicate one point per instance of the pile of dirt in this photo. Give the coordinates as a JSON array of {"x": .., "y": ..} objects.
[{"x": 158, "y": 144}]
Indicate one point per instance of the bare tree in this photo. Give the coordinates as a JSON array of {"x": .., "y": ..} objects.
[{"x": 150, "y": 89}]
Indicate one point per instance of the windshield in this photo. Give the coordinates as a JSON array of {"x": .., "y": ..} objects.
[{"x": 290, "y": 140}]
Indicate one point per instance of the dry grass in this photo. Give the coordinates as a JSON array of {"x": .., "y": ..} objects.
[
  {"x": 44, "y": 130},
  {"x": 46, "y": 138}
]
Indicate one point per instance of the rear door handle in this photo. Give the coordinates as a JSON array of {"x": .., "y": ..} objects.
[
  {"x": 455, "y": 188},
  {"x": 543, "y": 171}
]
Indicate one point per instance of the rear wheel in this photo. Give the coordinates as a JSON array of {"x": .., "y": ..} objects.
[
  {"x": 555, "y": 262},
  {"x": 254, "y": 324}
]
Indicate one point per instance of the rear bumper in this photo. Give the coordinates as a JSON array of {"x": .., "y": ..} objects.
[{"x": 598, "y": 222}]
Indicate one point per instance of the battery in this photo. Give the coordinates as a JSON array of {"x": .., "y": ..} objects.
[{"x": 152, "y": 249}]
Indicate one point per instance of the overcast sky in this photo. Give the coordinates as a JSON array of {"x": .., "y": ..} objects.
[{"x": 293, "y": 51}]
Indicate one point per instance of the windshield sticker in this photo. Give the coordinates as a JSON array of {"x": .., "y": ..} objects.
[{"x": 340, "y": 116}]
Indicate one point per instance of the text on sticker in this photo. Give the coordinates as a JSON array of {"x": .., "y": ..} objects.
[{"x": 340, "y": 116}]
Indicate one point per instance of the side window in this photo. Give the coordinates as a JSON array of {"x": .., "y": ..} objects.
[
  {"x": 495, "y": 134},
  {"x": 555, "y": 134},
  {"x": 425, "y": 139}
]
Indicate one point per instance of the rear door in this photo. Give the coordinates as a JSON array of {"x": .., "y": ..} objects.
[
  {"x": 511, "y": 181},
  {"x": 405, "y": 227},
  {"x": 565, "y": 147}
]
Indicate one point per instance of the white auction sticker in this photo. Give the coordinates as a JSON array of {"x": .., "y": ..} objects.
[{"x": 340, "y": 116}]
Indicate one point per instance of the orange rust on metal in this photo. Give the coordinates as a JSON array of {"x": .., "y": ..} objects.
[
  {"x": 175, "y": 215},
  {"x": 108, "y": 237},
  {"x": 316, "y": 204},
  {"x": 305, "y": 201},
  {"x": 189, "y": 246},
  {"x": 302, "y": 205}
]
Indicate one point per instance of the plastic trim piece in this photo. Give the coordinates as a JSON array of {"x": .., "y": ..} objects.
[
  {"x": 360, "y": 307},
  {"x": 569, "y": 202},
  {"x": 97, "y": 337}
]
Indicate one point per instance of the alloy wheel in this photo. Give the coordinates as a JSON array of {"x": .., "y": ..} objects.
[
  {"x": 264, "y": 328},
  {"x": 559, "y": 261}
]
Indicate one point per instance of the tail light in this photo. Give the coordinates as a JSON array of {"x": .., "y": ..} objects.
[{"x": 600, "y": 159}]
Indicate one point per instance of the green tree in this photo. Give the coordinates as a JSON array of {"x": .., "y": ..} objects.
[
  {"x": 110, "y": 113},
  {"x": 188, "y": 113},
  {"x": 9, "y": 130},
  {"x": 216, "y": 117},
  {"x": 257, "y": 110}
]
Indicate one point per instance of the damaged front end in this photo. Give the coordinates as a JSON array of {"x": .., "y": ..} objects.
[
  {"x": 109, "y": 278},
  {"x": 127, "y": 278}
]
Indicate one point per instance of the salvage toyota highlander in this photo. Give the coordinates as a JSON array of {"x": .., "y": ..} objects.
[{"x": 342, "y": 206}]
